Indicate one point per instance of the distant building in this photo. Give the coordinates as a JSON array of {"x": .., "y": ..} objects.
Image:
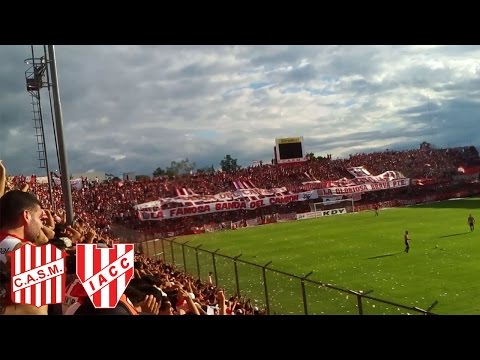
[
  {"x": 100, "y": 175},
  {"x": 130, "y": 176},
  {"x": 142, "y": 178}
]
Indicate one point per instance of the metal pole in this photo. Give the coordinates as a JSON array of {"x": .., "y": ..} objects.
[
  {"x": 184, "y": 259},
  {"x": 41, "y": 122},
  {"x": 155, "y": 249},
  {"x": 49, "y": 87},
  {"x": 431, "y": 307},
  {"x": 173, "y": 255},
  {"x": 50, "y": 194},
  {"x": 264, "y": 272},
  {"x": 146, "y": 248},
  {"x": 163, "y": 251},
  {"x": 215, "y": 266},
  {"x": 359, "y": 294},
  {"x": 360, "y": 305},
  {"x": 304, "y": 293},
  {"x": 198, "y": 262},
  {"x": 67, "y": 191},
  {"x": 236, "y": 274}
]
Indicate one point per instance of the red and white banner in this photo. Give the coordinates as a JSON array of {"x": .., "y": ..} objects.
[
  {"x": 347, "y": 190},
  {"x": 105, "y": 272},
  {"x": 153, "y": 211},
  {"x": 74, "y": 183},
  {"x": 38, "y": 275},
  {"x": 344, "y": 182},
  {"x": 358, "y": 171},
  {"x": 187, "y": 197}
]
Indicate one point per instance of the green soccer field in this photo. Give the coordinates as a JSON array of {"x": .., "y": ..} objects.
[{"x": 356, "y": 251}]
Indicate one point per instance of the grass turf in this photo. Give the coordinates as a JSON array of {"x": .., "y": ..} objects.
[{"x": 354, "y": 251}]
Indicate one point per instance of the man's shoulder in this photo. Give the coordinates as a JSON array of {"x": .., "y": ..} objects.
[
  {"x": 9, "y": 243},
  {"x": 10, "y": 239}
]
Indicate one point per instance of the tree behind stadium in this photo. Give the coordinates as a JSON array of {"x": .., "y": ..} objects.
[{"x": 229, "y": 165}]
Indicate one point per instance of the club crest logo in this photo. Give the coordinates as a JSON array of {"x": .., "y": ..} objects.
[
  {"x": 38, "y": 275},
  {"x": 105, "y": 272}
]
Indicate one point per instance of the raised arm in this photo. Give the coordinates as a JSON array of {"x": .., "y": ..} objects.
[
  {"x": 3, "y": 178},
  {"x": 191, "y": 305},
  {"x": 221, "y": 302}
]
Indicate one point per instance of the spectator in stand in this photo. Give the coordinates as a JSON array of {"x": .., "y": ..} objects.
[{"x": 20, "y": 223}]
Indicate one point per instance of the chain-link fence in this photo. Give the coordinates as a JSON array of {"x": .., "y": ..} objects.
[{"x": 276, "y": 291}]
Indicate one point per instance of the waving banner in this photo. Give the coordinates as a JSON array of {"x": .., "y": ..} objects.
[
  {"x": 153, "y": 210},
  {"x": 253, "y": 198}
]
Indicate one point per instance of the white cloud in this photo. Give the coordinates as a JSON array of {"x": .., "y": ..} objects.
[{"x": 144, "y": 106}]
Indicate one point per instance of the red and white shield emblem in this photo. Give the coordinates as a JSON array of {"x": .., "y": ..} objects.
[
  {"x": 38, "y": 275},
  {"x": 105, "y": 272}
]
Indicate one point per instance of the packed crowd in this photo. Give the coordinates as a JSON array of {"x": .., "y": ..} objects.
[{"x": 160, "y": 288}]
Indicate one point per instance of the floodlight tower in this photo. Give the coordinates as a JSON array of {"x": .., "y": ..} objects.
[
  {"x": 41, "y": 73},
  {"x": 36, "y": 79}
]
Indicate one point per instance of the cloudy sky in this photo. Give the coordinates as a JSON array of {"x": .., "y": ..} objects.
[{"x": 135, "y": 108}]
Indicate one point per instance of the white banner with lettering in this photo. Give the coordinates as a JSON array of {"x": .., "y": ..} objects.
[
  {"x": 249, "y": 194},
  {"x": 380, "y": 185},
  {"x": 74, "y": 183},
  {"x": 359, "y": 180},
  {"x": 153, "y": 210},
  {"x": 359, "y": 171}
]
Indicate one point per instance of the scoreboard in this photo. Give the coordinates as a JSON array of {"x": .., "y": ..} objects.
[{"x": 289, "y": 150}]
